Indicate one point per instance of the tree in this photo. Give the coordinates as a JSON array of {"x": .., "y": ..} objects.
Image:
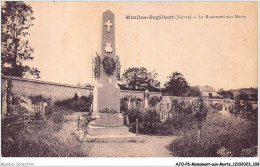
[
  {"x": 16, "y": 19},
  {"x": 243, "y": 96},
  {"x": 226, "y": 94},
  {"x": 193, "y": 92},
  {"x": 177, "y": 85},
  {"x": 139, "y": 78}
]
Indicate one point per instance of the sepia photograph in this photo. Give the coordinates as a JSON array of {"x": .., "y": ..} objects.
[{"x": 129, "y": 79}]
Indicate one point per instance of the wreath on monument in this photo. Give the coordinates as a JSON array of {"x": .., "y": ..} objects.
[
  {"x": 108, "y": 111},
  {"x": 109, "y": 65}
]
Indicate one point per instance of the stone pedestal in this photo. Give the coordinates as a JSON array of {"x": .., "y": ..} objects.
[
  {"x": 106, "y": 95},
  {"x": 108, "y": 120}
]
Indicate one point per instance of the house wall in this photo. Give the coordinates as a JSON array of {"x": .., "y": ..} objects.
[{"x": 206, "y": 94}]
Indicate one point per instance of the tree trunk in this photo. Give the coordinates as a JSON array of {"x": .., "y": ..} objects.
[{"x": 14, "y": 64}]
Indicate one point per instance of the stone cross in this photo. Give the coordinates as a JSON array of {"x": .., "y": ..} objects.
[
  {"x": 108, "y": 24},
  {"x": 108, "y": 46}
]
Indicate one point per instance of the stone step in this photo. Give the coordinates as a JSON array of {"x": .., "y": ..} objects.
[
  {"x": 130, "y": 137},
  {"x": 97, "y": 130}
]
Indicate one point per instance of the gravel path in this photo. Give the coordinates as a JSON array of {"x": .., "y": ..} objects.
[{"x": 152, "y": 146}]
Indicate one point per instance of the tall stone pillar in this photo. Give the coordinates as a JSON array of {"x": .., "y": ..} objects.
[
  {"x": 108, "y": 124},
  {"x": 106, "y": 90}
]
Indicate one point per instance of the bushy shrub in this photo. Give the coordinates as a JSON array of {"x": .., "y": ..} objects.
[
  {"x": 37, "y": 138},
  {"x": 37, "y": 99},
  {"x": 38, "y": 115},
  {"x": 58, "y": 119},
  {"x": 133, "y": 114},
  {"x": 147, "y": 120},
  {"x": 181, "y": 118},
  {"x": 77, "y": 104},
  {"x": 123, "y": 104},
  {"x": 220, "y": 136},
  {"x": 154, "y": 101}
]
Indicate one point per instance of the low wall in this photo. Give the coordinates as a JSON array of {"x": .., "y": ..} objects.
[
  {"x": 55, "y": 91},
  {"x": 30, "y": 87},
  {"x": 138, "y": 94}
]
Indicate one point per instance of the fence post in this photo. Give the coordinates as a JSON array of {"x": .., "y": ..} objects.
[
  {"x": 40, "y": 108},
  {"x": 136, "y": 127},
  {"x": 84, "y": 121},
  {"x": 23, "y": 122},
  {"x": 127, "y": 120},
  {"x": 43, "y": 109},
  {"x": 78, "y": 122},
  {"x": 4, "y": 103}
]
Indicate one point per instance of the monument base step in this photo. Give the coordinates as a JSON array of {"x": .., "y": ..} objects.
[
  {"x": 97, "y": 130},
  {"x": 85, "y": 137},
  {"x": 105, "y": 119}
]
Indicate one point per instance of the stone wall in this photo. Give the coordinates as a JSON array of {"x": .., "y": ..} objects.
[
  {"x": 55, "y": 91},
  {"x": 138, "y": 94},
  {"x": 30, "y": 87}
]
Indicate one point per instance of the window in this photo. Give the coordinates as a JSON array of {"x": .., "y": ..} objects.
[{"x": 210, "y": 94}]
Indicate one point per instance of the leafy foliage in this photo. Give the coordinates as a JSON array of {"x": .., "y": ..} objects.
[
  {"x": 118, "y": 67},
  {"x": 177, "y": 85},
  {"x": 96, "y": 63},
  {"x": 82, "y": 103},
  {"x": 193, "y": 92},
  {"x": 147, "y": 120},
  {"x": 141, "y": 79},
  {"x": 108, "y": 110},
  {"x": 109, "y": 65},
  {"x": 16, "y": 19},
  {"x": 200, "y": 114},
  {"x": 123, "y": 104},
  {"x": 37, "y": 99},
  {"x": 221, "y": 136},
  {"x": 37, "y": 138},
  {"x": 154, "y": 101},
  {"x": 243, "y": 96},
  {"x": 226, "y": 94}
]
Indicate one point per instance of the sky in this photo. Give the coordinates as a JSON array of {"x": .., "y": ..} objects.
[{"x": 218, "y": 52}]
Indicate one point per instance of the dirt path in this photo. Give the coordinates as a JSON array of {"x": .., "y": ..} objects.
[{"x": 152, "y": 146}]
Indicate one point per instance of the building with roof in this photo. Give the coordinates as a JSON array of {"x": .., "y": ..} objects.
[{"x": 208, "y": 91}]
